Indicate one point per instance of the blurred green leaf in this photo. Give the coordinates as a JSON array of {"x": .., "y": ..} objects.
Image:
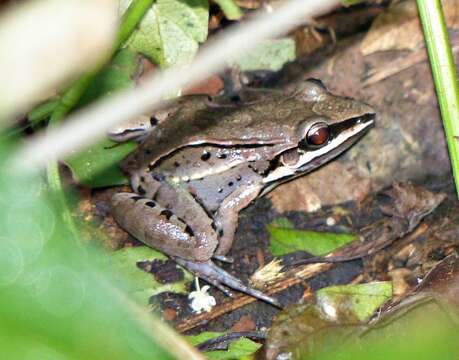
[
  {"x": 142, "y": 285},
  {"x": 171, "y": 30},
  {"x": 427, "y": 331},
  {"x": 236, "y": 350},
  {"x": 351, "y": 2},
  {"x": 230, "y": 9},
  {"x": 360, "y": 300},
  {"x": 268, "y": 55},
  {"x": 284, "y": 239},
  {"x": 42, "y": 111},
  {"x": 97, "y": 166},
  {"x": 55, "y": 302}
]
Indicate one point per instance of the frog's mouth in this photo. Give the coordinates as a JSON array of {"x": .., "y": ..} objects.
[{"x": 344, "y": 135}]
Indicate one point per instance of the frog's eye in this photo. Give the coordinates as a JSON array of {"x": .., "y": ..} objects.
[{"x": 318, "y": 135}]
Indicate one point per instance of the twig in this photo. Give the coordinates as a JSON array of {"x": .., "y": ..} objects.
[{"x": 289, "y": 278}]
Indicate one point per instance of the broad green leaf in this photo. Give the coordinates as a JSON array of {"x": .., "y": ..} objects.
[
  {"x": 230, "y": 9},
  {"x": 97, "y": 166},
  {"x": 171, "y": 31},
  {"x": 142, "y": 285},
  {"x": 268, "y": 55},
  {"x": 118, "y": 75},
  {"x": 236, "y": 350},
  {"x": 204, "y": 336},
  {"x": 284, "y": 239},
  {"x": 360, "y": 300}
]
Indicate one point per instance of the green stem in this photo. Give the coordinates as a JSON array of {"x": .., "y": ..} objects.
[
  {"x": 42, "y": 112},
  {"x": 444, "y": 74},
  {"x": 72, "y": 95},
  {"x": 129, "y": 22}
]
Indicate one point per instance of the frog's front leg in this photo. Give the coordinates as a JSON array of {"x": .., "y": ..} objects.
[{"x": 227, "y": 215}]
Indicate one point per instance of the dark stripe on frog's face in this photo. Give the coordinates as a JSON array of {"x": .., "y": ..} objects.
[{"x": 342, "y": 136}]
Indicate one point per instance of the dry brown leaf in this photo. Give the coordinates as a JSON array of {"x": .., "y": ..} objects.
[
  {"x": 245, "y": 323},
  {"x": 398, "y": 28},
  {"x": 322, "y": 187}
]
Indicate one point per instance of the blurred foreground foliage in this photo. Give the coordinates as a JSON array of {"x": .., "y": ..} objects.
[{"x": 56, "y": 303}]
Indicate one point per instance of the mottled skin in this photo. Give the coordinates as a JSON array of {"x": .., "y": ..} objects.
[{"x": 194, "y": 172}]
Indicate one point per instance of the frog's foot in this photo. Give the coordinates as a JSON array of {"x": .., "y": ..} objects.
[{"x": 218, "y": 277}]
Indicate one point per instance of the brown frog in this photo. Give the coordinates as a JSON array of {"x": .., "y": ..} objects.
[{"x": 193, "y": 173}]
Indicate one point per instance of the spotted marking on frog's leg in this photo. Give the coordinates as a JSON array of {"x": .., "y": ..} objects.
[
  {"x": 167, "y": 214},
  {"x": 156, "y": 226}
]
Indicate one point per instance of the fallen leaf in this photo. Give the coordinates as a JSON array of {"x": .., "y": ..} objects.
[
  {"x": 284, "y": 240},
  {"x": 398, "y": 28},
  {"x": 236, "y": 350},
  {"x": 361, "y": 300},
  {"x": 122, "y": 264},
  {"x": 309, "y": 194}
]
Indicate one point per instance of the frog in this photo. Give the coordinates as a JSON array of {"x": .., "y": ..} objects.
[{"x": 209, "y": 158}]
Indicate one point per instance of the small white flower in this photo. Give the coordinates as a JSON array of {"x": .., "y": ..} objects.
[{"x": 200, "y": 299}]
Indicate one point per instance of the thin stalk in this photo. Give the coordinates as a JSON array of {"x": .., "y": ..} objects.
[
  {"x": 444, "y": 74},
  {"x": 73, "y": 94}
]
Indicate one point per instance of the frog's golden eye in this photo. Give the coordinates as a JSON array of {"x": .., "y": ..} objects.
[{"x": 318, "y": 134}]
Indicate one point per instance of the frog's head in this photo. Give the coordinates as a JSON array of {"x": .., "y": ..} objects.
[{"x": 338, "y": 123}]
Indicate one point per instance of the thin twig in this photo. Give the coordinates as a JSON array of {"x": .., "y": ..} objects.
[{"x": 289, "y": 278}]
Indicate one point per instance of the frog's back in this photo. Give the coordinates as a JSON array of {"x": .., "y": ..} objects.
[{"x": 271, "y": 121}]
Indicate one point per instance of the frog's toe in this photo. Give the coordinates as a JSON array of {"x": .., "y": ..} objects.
[{"x": 218, "y": 277}]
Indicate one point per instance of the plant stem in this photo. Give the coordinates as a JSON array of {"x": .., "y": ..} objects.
[
  {"x": 444, "y": 74},
  {"x": 72, "y": 95}
]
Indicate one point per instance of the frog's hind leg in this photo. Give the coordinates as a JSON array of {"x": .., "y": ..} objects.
[
  {"x": 218, "y": 277},
  {"x": 158, "y": 227}
]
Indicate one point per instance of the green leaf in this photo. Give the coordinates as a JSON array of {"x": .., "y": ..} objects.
[
  {"x": 350, "y": 2},
  {"x": 359, "y": 300},
  {"x": 42, "y": 111},
  {"x": 142, "y": 285},
  {"x": 236, "y": 350},
  {"x": 284, "y": 239},
  {"x": 171, "y": 30},
  {"x": 268, "y": 55},
  {"x": 230, "y": 9},
  {"x": 97, "y": 166},
  {"x": 118, "y": 75},
  {"x": 56, "y": 302}
]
